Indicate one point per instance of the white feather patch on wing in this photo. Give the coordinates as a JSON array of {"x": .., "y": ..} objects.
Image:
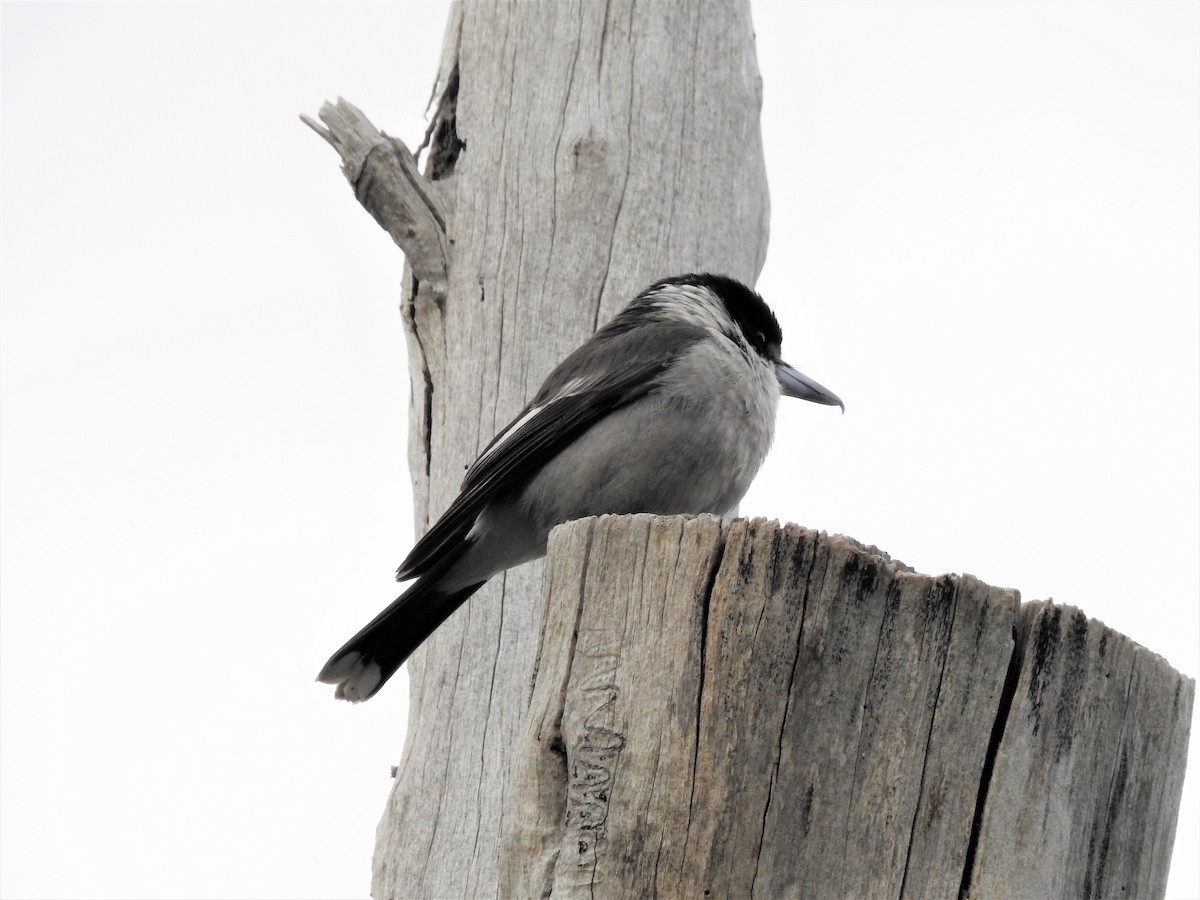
[{"x": 571, "y": 388}]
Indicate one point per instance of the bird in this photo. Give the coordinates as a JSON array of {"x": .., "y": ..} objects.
[{"x": 669, "y": 409}]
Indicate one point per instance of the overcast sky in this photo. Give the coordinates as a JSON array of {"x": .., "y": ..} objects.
[{"x": 985, "y": 222}]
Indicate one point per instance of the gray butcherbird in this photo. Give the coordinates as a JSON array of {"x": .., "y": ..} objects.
[{"x": 667, "y": 409}]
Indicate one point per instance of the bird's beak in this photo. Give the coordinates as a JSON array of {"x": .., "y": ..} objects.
[{"x": 797, "y": 384}]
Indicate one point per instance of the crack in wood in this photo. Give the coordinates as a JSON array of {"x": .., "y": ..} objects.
[
  {"x": 446, "y": 145},
  {"x": 999, "y": 723},
  {"x": 722, "y": 760},
  {"x": 424, "y": 437},
  {"x": 955, "y": 584}
]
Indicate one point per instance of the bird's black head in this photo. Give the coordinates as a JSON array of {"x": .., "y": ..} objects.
[{"x": 746, "y": 308}]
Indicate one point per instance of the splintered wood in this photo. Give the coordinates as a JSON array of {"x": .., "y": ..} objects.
[{"x": 774, "y": 712}]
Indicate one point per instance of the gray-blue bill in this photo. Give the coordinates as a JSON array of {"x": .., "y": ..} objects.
[{"x": 797, "y": 384}]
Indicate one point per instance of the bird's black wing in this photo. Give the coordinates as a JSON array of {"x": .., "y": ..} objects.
[{"x": 613, "y": 368}]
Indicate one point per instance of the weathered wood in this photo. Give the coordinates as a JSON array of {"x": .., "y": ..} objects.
[
  {"x": 623, "y": 637},
  {"x": 580, "y": 151},
  {"x": 812, "y": 718},
  {"x": 386, "y": 181},
  {"x": 1084, "y": 797},
  {"x": 818, "y": 721}
]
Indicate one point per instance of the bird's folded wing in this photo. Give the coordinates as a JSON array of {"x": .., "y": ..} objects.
[{"x": 609, "y": 371}]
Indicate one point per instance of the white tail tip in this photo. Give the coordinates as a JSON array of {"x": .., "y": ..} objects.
[{"x": 354, "y": 678}]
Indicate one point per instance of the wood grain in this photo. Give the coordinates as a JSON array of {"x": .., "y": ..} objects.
[
  {"x": 760, "y": 711},
  {"x": 1085, "y": 793},
  {"x": 581, "y": 152},
  {"x": 816, "y": 720}
]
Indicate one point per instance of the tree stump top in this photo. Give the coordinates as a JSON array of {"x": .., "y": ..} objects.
[{"x": 767, "y": 710}]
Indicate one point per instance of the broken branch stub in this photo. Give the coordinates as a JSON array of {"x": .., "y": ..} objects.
[
  {"x": 770, "y": 711},
  {"x": 387, "y": 182}
]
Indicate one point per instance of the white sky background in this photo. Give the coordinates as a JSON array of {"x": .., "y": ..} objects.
[{"x": 985, "y": 231}]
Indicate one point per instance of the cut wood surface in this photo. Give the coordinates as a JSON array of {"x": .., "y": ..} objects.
[{"x": 774, "y": 712}]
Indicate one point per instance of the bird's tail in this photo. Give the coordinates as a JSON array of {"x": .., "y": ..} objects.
[{"x": 365, "y": 662}]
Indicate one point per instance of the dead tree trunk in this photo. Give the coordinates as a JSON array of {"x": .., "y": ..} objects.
[
  {"x": 816, "y": 720},
  {"x": 579, "y": 152},
  {"x": 772, "y": 712}
]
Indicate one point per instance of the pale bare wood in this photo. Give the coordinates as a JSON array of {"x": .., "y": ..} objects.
[
  {"x": 750, "y": 660},
  {"x": 822, "y": 722},
  {"x": 386, "y": 182},
  {"x": 970, "y": 697},
  {"x": 1085, "y": 794},
  {"x": 624, "y": 638},
  {"x": 845, "y": 712},
  {"x": 583, "y": 150}
]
